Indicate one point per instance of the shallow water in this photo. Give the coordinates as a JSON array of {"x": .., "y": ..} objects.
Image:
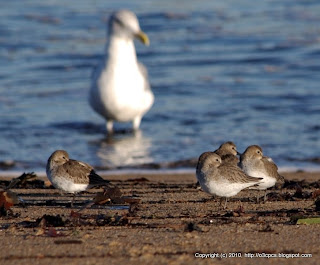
[{"x": 219, "y": 71}]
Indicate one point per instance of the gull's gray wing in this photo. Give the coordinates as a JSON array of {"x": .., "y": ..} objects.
[{"x": 144, "y": 72}]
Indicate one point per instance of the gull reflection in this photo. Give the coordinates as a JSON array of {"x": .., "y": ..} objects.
[{"x": 125, "y": 150}]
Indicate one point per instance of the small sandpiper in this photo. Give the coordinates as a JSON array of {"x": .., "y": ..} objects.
[
  {"x": 71, "y": 176},
  {"x": 228, "y": 153},
  {"x": 255, "y": 164},
  {"x": 221, "y": 179}
]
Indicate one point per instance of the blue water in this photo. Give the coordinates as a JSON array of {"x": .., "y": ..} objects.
[{"x": 220, "y": 70}]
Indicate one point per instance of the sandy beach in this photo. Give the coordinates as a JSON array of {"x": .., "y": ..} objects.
[{"x": 164, "y": 219}]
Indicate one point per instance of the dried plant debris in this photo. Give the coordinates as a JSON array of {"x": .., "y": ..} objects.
[
  {"x": 26, "y": 180},
  {"x": 114, "y": 196},
  {"x": 7, "y": 200},
  {"x": 141, "y": 179},
  {"x": 302, "y": 194},
  {"x": 315, "y": 194},
  {"x": 317, "y": 204},
  {"x": 293, "y": 184},
  {"x": 51, "y": 220},
  {"x": 110, "y": 195},
  {"x": 191, "y": 226},
  {"x": 299, "y": 194},
  {"x": 46, "y": 223}
]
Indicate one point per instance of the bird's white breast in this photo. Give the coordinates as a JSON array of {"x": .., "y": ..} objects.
[
  {"x": 67, "y": 185},
  {"x": 265, "y": 183},
  {"x": 118, "y": 92},
  {"x": 224, "y": 188}
]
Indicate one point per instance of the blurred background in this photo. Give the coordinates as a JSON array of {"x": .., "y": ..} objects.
[{"x": 220, "y": 70}]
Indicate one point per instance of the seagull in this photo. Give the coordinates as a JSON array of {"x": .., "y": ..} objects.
[{"x": 120, "y": 89}]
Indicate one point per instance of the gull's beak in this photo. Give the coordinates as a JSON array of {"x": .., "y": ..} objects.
[{"x": 143, "y": 38}]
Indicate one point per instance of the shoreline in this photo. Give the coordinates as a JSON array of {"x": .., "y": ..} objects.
[
  {"x": 165, "y": 174},
  {"x": 168, "y": 176}
]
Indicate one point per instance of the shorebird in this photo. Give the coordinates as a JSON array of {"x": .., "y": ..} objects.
[
  {"x": 221, "y": 179},
  {"x": 228, "y": 153},
  {"x": 71, "y": 176},
  {"x": 255, "y": 164},
  {"x": 120, "y": 89}
]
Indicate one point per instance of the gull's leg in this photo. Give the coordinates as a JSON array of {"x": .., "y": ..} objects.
[
  {"x": 136, "y": 123},
  {"x": 74, "y": 195},
  {"x": 109, "y": 126},
  {"x": 265, "y": 196}
]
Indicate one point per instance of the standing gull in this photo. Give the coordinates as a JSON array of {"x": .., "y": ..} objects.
[
  {"x": 221, "y": 179},
  {"x": 71, "y": 176},
  {"x": 255, "y": 164},
  {"x": 120, "y": 89}
]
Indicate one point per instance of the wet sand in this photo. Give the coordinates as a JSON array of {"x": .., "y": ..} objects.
[{"x": 170, "y": 222}]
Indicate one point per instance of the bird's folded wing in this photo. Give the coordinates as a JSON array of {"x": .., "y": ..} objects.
[
  {"x": 235, "y": 174},
  {"x": 271, "y": 167},
  {"x": 95, "y": 179}
]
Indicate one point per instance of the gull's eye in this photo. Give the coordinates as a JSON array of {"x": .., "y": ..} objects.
[{"x": 119, "y": 22}]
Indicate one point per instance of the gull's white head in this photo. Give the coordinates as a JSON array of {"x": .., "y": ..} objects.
[{"x": 125, "y": 24}]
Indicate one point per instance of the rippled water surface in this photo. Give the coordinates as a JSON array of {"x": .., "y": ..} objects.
[{"x": 220, "y": 70}]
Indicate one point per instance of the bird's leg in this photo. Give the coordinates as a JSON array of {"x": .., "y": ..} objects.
[
  {"x": 74, "y": 195},
  {"x": 136, "y": 123},
  {"x": 265, "y": 196},
  {"x": 258, "y": 197},
  {"x": 225, "y": 204},
  {"x": 109, "y": 126}
]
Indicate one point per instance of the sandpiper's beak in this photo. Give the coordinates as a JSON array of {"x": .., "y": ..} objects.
[
  {"x": 143, "y": 37},
  {"x": 238, "y": 153}
]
